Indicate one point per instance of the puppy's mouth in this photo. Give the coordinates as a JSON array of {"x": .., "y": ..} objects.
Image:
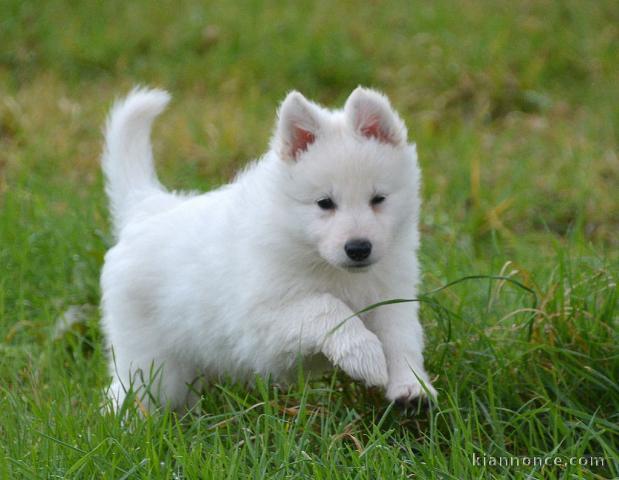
[{"x": 358, "y": 266}]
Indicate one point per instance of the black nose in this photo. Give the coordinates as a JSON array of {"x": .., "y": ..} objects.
[{"x": 358, "y": 249}]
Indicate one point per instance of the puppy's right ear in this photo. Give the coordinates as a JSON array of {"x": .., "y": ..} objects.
[
  {"x": 297, "y": 127},
  {"x": 372, "y": 117}
]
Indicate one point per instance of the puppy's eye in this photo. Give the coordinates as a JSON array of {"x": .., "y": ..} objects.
[
  {"x": 377, "y": 200},
  {"x": 326, "y": 204}
]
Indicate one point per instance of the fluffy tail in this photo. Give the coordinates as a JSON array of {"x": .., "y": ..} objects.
[{"x": 127, "y": 158}]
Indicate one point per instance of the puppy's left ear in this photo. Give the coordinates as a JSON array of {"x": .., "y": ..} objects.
[
  {"x": 371, "y": 116},
  {"x": 297, "y": 127}
]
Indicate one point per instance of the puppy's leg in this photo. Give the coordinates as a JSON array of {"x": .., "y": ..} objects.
[
  {"x": 398, "y": 328},
  {"x": 155, "y": 381},
  {"x": 324, "y": 324}
]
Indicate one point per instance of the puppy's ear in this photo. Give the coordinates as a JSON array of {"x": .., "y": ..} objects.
[
  {"x": 297, "y": 127},
  {"x": 371, "y": 116}
]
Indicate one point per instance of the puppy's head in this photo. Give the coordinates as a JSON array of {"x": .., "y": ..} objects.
[{"x": 350, "y": 177}]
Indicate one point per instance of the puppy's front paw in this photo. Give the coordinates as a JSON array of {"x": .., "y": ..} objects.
[
  {"x": 365, "y": 361},
  {"x": 405, "y": 394}
]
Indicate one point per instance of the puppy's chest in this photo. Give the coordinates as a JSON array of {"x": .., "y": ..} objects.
[{"x": 358, "y": 295}]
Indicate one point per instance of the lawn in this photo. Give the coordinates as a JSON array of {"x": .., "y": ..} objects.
[{"x": 514, "y": 107}]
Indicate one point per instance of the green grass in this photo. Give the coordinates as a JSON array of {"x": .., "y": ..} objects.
[{"x": 514, "y": 107}]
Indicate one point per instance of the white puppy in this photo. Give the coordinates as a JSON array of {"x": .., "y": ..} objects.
[{"x": 270, "y": 269}]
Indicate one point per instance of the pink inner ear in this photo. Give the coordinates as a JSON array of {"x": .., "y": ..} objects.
[
  {"x": 372, "y": 129},
  {"x": 302, "y": 139}
]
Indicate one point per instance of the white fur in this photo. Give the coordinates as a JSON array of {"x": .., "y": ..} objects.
[{"x": 252, "y": 277}]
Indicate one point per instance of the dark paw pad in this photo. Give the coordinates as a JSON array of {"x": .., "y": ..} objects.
[{"x": 417, "y": 404}]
